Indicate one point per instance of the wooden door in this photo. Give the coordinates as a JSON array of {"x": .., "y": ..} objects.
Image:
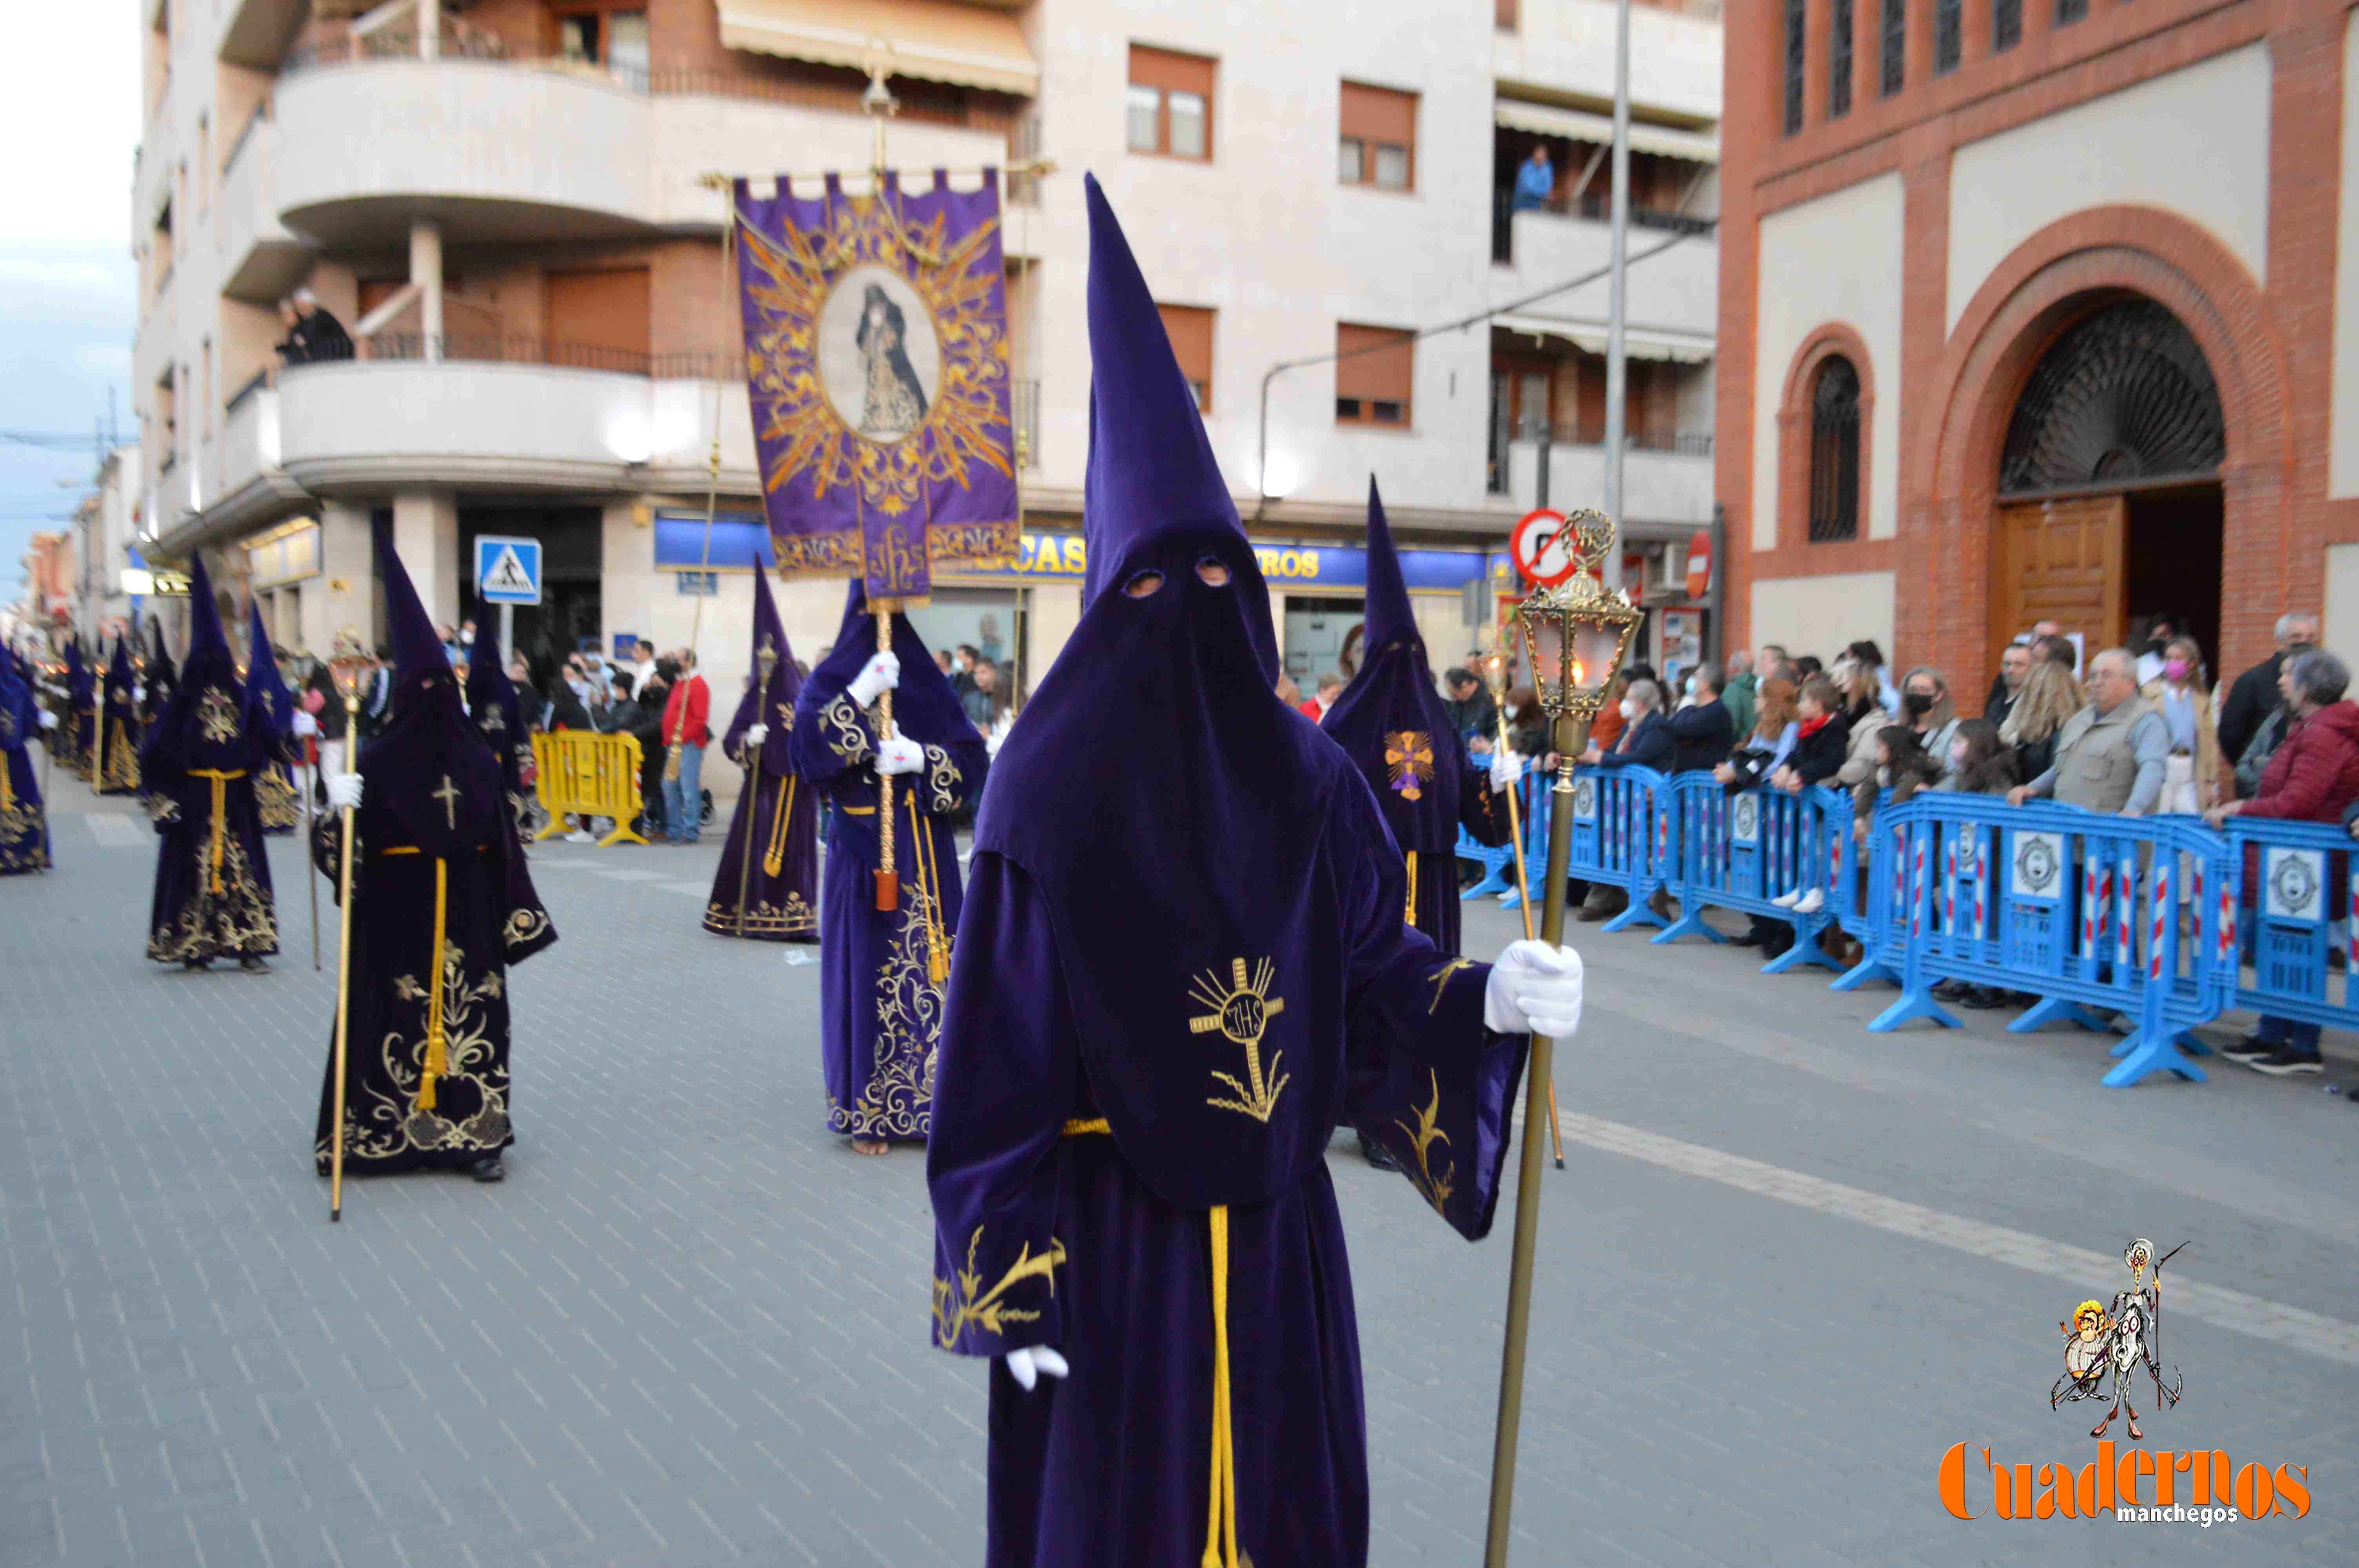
[
  {"x": 598, "y": 321},
  {"x": 2061, "y": 561}
]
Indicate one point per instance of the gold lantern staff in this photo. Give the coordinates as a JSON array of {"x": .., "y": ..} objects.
[
  {"x": 1576, "y": 633},
  {"x": 345, "y": 669},
  {"x": 1498, "y": 667}
]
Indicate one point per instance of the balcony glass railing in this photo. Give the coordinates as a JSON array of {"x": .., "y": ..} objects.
[{"x": 1591, "y": 206}]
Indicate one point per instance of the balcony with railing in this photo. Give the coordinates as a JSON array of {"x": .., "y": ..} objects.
[
  {"x": 499, "y": 143},
  {"x": 1666, "y": 473},
  {"x": 260, "y": 259}
]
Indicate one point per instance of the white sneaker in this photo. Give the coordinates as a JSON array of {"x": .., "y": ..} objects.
[
  {"x": 1788, "y": 900},
  {"x": 1810, "y": 902},
  {"x": 578, "y": 836}
]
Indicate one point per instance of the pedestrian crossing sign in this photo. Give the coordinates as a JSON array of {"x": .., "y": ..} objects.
[{"x": 507, "y": 571}]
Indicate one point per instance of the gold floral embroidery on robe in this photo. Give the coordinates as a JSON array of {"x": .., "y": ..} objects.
[
  {"x": 765, "y": 918},
  {"x": 379, "y": 1125},
  {"x": 275, "y": 801},
  {"x": 943, "y": 782},
  {"x": 217, "y": 715},
  {"x": 958, "y": 1305},
  {"x": 846, "y": 735},
  {"x": 897, "y": 1100},
  {"x": 238, "y": 922},
  {"x": 24, "y": 831},
  {"x": 1422, "y": 1137}
]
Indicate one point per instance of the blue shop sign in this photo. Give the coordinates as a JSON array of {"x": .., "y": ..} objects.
[{"x": 743, "y": 543}]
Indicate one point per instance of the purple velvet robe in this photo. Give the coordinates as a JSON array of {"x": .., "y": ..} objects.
[
  {"x": 1049, "y": 1238},
  {"x": 779, "y": 869},
  {"x": 24, "y": 823},
  {"x": 880, "y": 1004}
]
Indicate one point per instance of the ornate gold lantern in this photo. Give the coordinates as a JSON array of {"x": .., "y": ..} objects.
[{"x": 1577, "y": 635}]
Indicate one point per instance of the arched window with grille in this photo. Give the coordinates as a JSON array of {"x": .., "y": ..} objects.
[{"x": 1834, "y": 450}]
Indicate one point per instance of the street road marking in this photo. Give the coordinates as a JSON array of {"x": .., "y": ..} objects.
[
  {"x": 2257, "y": 1316},
  {"x": 116, "y": 832},
  {"x": 629, "y": 874},
  {"x": 693, "y": 889}
]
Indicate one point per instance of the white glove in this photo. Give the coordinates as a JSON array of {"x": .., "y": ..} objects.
[
  {"x": 305, "y": 725},
  {"x": 343, "y": 792},
  {"x": 1534, "y": 989},
  {"x": 48, "y": 720},
  {"x": 756, "y": 734},
  {"x": 900, "y": 755},
  {"x": 1026, "y": 1365},
  {"x": 881, "y": 675},
  {"x": 1507, "y": 767}
]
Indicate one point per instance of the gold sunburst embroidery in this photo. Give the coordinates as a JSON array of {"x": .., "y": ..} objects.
[
  {"x": 1440, "y": 980},
  {"x": 958, "y": 1305},
  {"x": 1240, "y": 1010},
  {"x": 1409, "y": 761},
  {"x": 788, "y": 278}
]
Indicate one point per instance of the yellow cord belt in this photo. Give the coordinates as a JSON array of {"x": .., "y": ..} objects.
[
  {"x": 437, "y": 1055},
  {"x": 220, "y": 777},
  {"x": 1221, "y": 1510},
  {"x": 774, "y": 857},
  {"x": 1410, "y": 917},
  {"x": 929, "y": 885}
]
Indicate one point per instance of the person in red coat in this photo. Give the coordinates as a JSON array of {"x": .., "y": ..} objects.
[
  {"x": 2312, "y": 777},
  {"x": 686, "y": 728}
]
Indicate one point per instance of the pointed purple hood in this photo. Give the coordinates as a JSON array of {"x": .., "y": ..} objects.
[{"x": 773, "y": 705}]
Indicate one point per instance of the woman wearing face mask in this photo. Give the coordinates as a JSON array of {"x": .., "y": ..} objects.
[
  {"x": 1925, "y": 707},
  {"x": 2191, "y": 777}
]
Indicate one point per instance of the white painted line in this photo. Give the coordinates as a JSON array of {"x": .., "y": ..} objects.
[
  {"x": 693, "y": 889},
  {"x": 627, "y": 874},
  {"x": 2291, "y": 1326}
]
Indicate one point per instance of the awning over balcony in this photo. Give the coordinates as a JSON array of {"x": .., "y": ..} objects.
[
  {"x": 1638, "y": 342},
  {"x": 1574, "y": 125},
  {"x": 930, "y": 38}
]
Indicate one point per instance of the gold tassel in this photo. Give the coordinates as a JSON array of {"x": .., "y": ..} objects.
[
  {"x": 1220, "y": 1525},
  {"x": 1409, "y": 918},
  {"x": 774, "y": 857},
  {"x": 929, "y": 881},
  {"x": 437, "y": 1056},
  {"x": 220, "y": 778}
]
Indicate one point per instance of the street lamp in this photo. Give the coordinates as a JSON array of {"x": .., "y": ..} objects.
[{"x": 1576, "y": 633}]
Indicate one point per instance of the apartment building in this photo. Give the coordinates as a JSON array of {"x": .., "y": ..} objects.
[
  {"x": 108, "y": 568},
  {"x": 502, "y": 203},
  {"x": 2033, "y": 310}
]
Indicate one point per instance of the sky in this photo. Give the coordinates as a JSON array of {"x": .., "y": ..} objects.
[{"x": 70, "y": 108}]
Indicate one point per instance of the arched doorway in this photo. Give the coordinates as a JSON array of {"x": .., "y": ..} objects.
[{"x": 2110, "y": 506}]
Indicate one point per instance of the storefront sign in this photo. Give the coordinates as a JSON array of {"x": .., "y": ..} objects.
[{"x": 741, "y": 544}]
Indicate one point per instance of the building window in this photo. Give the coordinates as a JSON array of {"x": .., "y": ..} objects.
[
  {"x": 1796, "y": 15},
  {"x": 1190, "y": 331},
  {"x": 1375, "y": 369},
  {"x": 1171, "y": 103},
  {"x": 1838, "y": 34},
  {"x": 2068, "y": 11},
  {"x": 2006, "y": 23},
  {"x": 1896, "y": 45},
  {"x": 1949, "y": 35},
  {"x": 615, "y": 38},
  {"x": 1378, "y": 142},
  {"x": 1834, "y": 450}
]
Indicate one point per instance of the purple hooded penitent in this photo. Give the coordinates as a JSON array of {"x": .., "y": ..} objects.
[
  {"x": 270, "y": 712},
  {"x": 198, "y": 770},
  {"x": 1182, "y": 962},
  {"x": 882, "y": 971},
  {"x": 435, "y": 854},
  {"x": 766, "y": 886},
  {"x": 1391, "y": 723}
]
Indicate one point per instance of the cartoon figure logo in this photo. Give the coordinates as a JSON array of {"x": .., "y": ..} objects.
[{"x": 2099, "y": 1342}]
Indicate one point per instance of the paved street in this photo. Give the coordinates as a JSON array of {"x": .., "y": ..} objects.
[{"x": 1788, "y": 1265}]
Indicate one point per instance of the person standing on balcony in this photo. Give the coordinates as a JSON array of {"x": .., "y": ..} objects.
[
  {"x": 312, "y": 335},
  {"x": 1535, "y": 180}
]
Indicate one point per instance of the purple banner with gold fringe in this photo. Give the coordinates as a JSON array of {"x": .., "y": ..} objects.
[{"x": 876, "y": 359}]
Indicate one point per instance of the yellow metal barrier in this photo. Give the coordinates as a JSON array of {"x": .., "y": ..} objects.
[{"x": 587, "y": 775}]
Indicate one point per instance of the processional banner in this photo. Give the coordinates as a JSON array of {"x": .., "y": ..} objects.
[{"x": 876, "y": 359}]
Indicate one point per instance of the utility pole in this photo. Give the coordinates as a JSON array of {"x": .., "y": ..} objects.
[{"x": 1617, "y": 368}]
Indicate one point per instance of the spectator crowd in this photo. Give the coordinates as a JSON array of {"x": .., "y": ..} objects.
[{"x": 2126, "y": 731}]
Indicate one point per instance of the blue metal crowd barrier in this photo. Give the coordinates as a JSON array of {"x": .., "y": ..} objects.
[
  {"x": 1867, "y": 903},
  {"x": 2294, "y": 888},
  {"x": 2077, "y": 909},
  {"x": 1743, "y": 851},
  {"x": 1624, "y": 823}
]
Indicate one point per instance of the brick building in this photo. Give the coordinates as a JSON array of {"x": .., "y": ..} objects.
[{"x": 2028, "y": 308}]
